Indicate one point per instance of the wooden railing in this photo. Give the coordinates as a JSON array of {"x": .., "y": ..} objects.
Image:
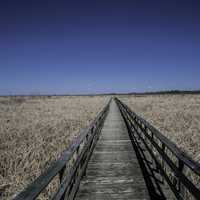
[
  {"x": 70, "y": 167},
  {"x": 174, "y": 167}
]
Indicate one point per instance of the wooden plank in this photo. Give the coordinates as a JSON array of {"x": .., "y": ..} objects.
[
  {"x": 116, "y": 189},
  {"x": 114, "y": 157},
  {"x": 112, "y": 196},
  {"x": 114, "y": 147}
]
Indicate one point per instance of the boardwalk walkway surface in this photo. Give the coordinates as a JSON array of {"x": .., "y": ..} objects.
[{"x": 113, "y": 171}]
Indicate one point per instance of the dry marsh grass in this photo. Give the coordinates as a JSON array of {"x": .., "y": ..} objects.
[
  {"x": 176, "y": 116},
  {"x": 33, "y": 133},
  {"x": 35, "y": 130}
]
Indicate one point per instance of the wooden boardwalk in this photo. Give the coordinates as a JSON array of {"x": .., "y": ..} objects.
[{"x": 113, "y": 171}]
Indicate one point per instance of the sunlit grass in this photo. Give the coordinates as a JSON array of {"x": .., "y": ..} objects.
[{"x": 33, "y": 133}]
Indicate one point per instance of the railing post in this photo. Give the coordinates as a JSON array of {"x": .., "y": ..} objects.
[
  {"x": 163, "y": 163},
  {"x": 181, "y": 188},
  {"x": 61, "y": 173}
]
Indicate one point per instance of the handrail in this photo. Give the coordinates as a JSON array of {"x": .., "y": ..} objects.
[
  {"x": 71, "y": 165},
  {"x": 174, "y": 165}
]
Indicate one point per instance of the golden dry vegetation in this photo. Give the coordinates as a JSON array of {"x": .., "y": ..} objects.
[
  {"x": 33, "y": 133},
  {"x": 35, "y": 130},
  {"x": 176, "y": 116}
]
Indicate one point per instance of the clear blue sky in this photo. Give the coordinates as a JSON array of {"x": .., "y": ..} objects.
[{"x": 62, "y": 46}]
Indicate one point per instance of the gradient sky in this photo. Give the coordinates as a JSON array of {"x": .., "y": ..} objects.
[{"x": 61, "y": 46}]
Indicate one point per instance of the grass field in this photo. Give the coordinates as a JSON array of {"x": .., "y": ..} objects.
[
  {"x": 34, "y": 131},
  {"x": 176, "y": 116}
]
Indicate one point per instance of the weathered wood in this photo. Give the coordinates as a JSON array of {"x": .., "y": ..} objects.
[{"x": 113, "y": 171}]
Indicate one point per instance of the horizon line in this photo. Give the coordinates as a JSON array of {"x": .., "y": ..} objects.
[{"x": 110, "y": 93}]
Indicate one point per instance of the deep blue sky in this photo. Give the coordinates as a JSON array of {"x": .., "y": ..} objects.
[{"x": 92, "y": 46}]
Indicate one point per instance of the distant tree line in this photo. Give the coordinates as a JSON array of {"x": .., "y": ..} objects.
[
  {"x": 171, "y": 92},
  {"x": 158, "y": 92}
]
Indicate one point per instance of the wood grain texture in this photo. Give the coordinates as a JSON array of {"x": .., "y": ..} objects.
[{"x": 113, "y": 171}]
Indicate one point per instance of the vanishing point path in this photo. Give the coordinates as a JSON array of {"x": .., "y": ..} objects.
[{"x": 113, "y": 171}]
